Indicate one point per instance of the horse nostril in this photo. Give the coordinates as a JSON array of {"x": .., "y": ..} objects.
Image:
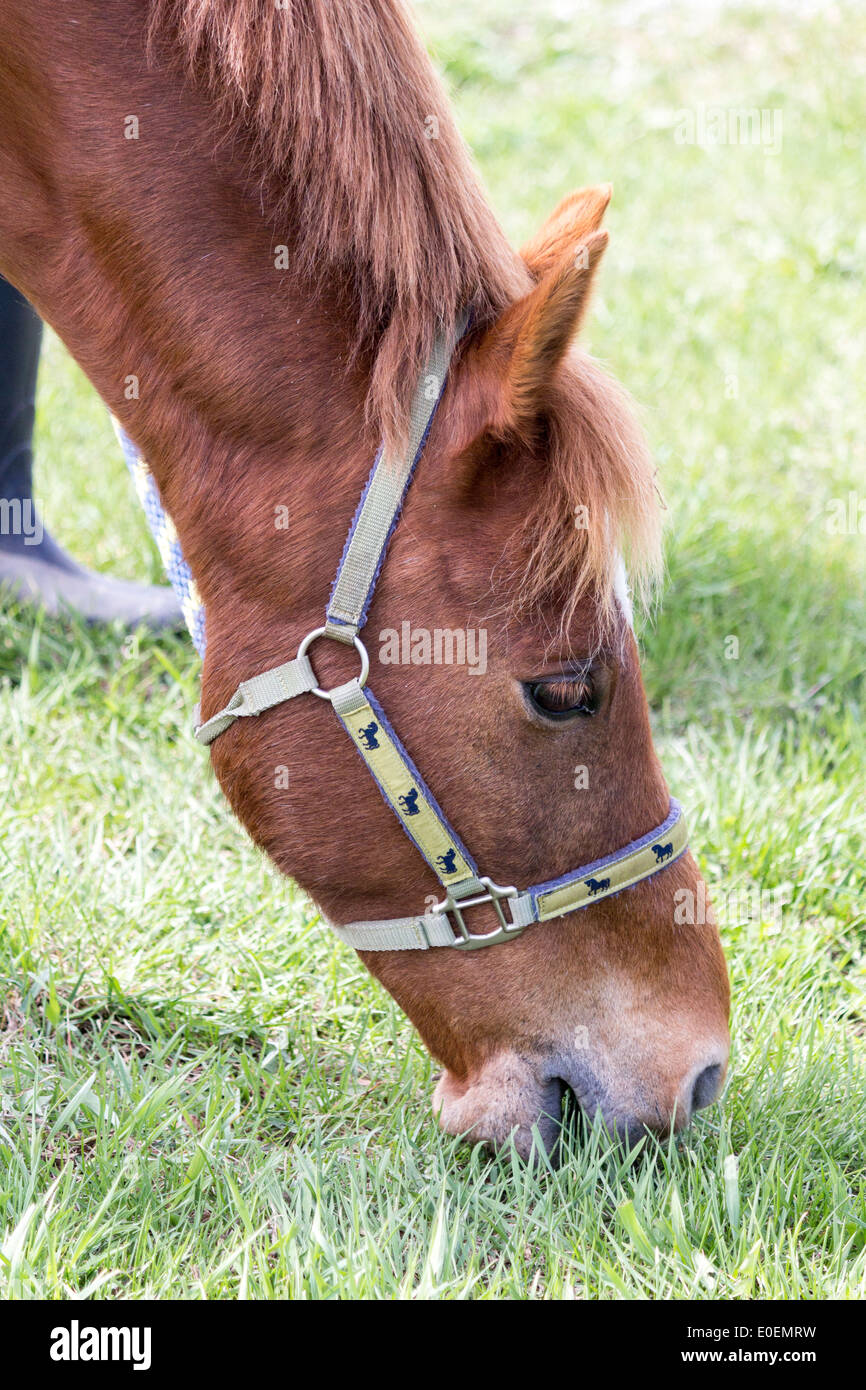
[
  {"x": 706, "y": 1087},
  {"x": 552, "y": 1103}
]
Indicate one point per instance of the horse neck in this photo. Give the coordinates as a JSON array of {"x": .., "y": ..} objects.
[{"x": 231, "y": 375}]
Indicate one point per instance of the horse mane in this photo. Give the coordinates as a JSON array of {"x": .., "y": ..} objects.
[{"x": 348, "y": 132}]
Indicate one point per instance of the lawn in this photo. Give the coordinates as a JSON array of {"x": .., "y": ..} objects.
[{"x": 201, "y": 1093}]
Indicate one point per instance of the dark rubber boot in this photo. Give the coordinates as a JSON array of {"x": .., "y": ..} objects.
[{"x": 32, "y": 565}]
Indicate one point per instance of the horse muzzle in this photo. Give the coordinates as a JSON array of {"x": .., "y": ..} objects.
[{"x": 521, "y": 1099}]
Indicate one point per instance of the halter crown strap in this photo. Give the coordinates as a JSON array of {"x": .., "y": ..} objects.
[
  {"x": 398, "y": 779},
  {"x": 381, "y": 501}
]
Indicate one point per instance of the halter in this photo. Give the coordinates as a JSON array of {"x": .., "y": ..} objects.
[{"x": 394, "y": 772}]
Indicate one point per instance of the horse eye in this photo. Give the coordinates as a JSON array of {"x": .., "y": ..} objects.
[{"x": 564, "y": 698}]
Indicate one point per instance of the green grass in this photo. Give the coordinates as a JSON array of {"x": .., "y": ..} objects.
[{"x": 201, "y": 1094}]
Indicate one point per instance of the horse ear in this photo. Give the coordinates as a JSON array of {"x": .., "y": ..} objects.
[
  {"x": 516, "y": 360},
  {"x": 540, "y": 329},
  {"x": 571, "y": 223}
]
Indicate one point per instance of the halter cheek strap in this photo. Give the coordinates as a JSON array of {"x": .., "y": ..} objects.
[{"x": 395, "y": 774}]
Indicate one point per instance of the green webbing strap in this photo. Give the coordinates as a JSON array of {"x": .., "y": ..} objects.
[
  {"x": 259, "y": 693},
  {"x": 397, "y": 933},
  {"x": 383, "y": 497}
]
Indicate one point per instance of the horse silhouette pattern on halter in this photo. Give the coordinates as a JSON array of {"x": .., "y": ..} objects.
[
  {"x": 368, "y": 738},
  {"x": 597, "y": 885},
  {"x": 663, "y": 852},
  {"x": 447, "y": 862},
  {"x": 409, "y": 803}
]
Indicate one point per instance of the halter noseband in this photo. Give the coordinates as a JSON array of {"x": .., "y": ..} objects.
[{"x": 387, "y": 760}]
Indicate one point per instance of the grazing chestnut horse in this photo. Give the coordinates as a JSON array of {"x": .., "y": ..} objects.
[{"x": 249, "y": 221}]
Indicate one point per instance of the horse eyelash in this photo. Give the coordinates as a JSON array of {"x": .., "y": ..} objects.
[{"x": 577, "y": 696}]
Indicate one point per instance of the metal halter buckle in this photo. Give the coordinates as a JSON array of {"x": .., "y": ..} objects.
[
  {"x": 475, "y": 941},
  {"x": 356, "y": 643}
]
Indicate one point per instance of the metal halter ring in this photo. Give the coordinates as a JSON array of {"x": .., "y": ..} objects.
[{"x": 356, "y": 643}]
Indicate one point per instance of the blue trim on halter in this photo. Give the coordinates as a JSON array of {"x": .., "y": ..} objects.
[
  {"x": 538, "y": 890},
  {"x": 397, "y": 515},
  {"x": 339, "y": 621},
  {"x": 368, "y": 599}
]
